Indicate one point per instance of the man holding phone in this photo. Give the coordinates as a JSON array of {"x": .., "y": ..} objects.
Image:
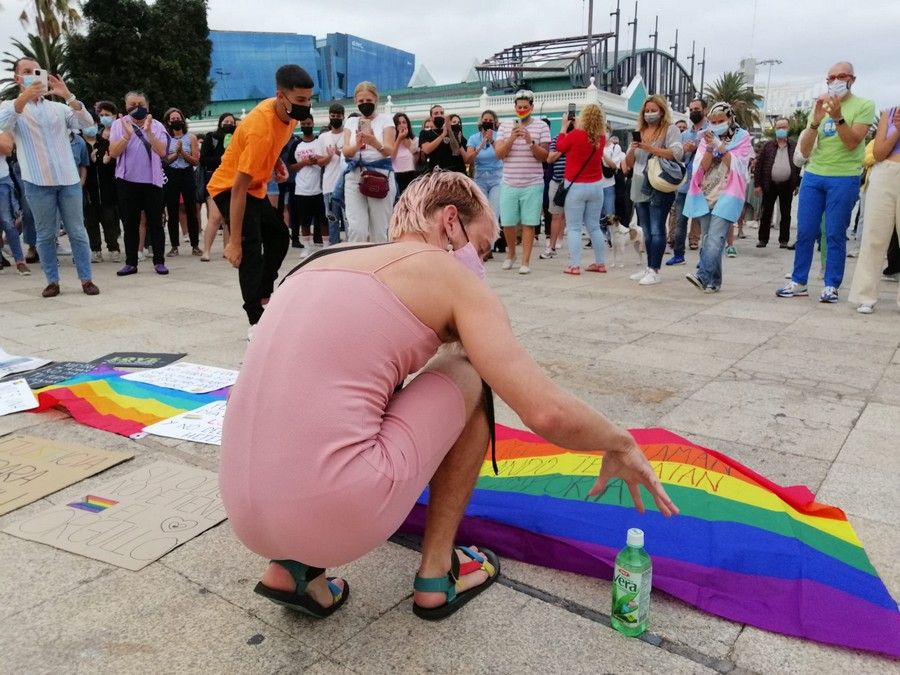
[{"x": 49, "y": 176}]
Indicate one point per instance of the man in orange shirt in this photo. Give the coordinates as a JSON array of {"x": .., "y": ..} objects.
[{"x": 259, "y": 239}]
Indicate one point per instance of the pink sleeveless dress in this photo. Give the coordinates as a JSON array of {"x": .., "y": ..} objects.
[{"x": 321, "y": 459}]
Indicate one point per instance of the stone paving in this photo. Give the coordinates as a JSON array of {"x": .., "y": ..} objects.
[{"x": 803, "y": 392}]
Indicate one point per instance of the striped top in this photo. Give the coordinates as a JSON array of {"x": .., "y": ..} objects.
[
  {"x": 41, "y": 132},
  {"x": 559, "y": 166},
  {"x": 520, "y": 168}
]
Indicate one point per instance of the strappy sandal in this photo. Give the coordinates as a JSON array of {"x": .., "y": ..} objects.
[
  {"x": 298, "y": 599},
  {"x": 481, "y": 560},
  {"x": 596, "y": 267},
  {"x": 572, "y": 269}
]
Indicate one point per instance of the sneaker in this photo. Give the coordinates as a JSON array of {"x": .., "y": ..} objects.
[
  {"x": 524, "y": 269},
  {"x": 865, "y": 309},
  {"x": 650, "y": 278},
  {"x": 140, "y": 256},
  {"x": 51, "y": 291},
  {"x": 675, "y": 260},
  {"x": 890, "y": 277},
  {"x": 694, "y": 280},
  {"x": 172, "y": 252},
  {"x": 548, "y": 254},
  {"x": 829, "y": 294},
  {"x": 196, "y": 251},
  {"x": 852, "y": 253},
  {"x": 295, "y": 244},
  {"x": 762, "y": 244},
  {"x": 23, "y": 270},
  {"x": 711, "y": 289},
  {"x": 161, "y": 269},
  {"x": 792, "y": 290},
  {"x": 96, "y": 257},
  {"x": 250, "y": 332},
  {"x": 731, "y": 251},
  {"x": 783, "y": 246},
  {"x": 637, "y": 276},
  {"x": 115, "y": 256},
  {"x": 126, "y": 270},
  {"x": 508, "y": 263}
]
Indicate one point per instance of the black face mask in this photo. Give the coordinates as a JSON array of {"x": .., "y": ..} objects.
[
  {"x": 456, "y": 128},
  {"x": 177, "y": 125},
  {"x": 335, "y": 124},
  {"x": 696, "y": 116},
  {"x": 298, "y": 112},
  {"x": 307, "y": 131},
  {"x": 138, "y": 112},
  {"x": 438, "y": 122},
  {"x": 366, "y": 109},
  {"x": 487, "y": 126},
  {"x": 227, "y": 129}
]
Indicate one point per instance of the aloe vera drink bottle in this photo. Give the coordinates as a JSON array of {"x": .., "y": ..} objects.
[{"x": 631, "y": 586}]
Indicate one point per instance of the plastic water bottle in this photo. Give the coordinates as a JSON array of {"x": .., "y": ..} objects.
[{"x": 632, "y": 577}]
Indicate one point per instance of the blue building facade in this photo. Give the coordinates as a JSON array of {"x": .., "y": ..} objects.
[{"x": 347, "y": 60}]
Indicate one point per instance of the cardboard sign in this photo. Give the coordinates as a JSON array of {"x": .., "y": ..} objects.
[
  {"x": 56, "y": 373},
  {"x": 203, "y": 425},
  {"x": 190, "y": 377},
  {"x": 32, "y": 468},
  {"x": 11, "y": 364},
  {"x": 138, "y": 359},
  {"x": 16, "y": 396},
  {"x": 132, "y": 520}
]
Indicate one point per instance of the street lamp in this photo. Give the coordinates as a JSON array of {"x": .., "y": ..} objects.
[{"x": 770, "y": 63}]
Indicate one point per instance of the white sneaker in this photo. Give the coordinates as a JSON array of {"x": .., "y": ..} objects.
[
  {"x": 140, "y": 255},
  {"x": 524, "y": 269},
  {"x": 865, "y": 309},
  {"x": 508, "y": 263},
  {"x": 115, "y": 256},
  {"x": 250, "y": 332},
  {"x": 96, "y": 257},
  {"x": 637, "y": 276},
  {"x": 650, "y": 278},
  {"x": 548, "y": 254}
]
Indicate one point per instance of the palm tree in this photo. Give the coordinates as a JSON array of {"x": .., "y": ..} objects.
[
  {"x": 55, "y": 62},
  {"x": 733, "y": 89},
  {"x": 53, "y": 19}
]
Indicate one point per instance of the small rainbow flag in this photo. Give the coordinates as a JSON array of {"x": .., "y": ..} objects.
[
  {"x": 93, "y": 504},
  {"x": 103, "y": 400},
  {"x": 743, "y": 548}
]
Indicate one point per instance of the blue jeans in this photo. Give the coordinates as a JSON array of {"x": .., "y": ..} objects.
[
  {"x": 652, "y": 217},
  {"x": 46, "y": 202},
  {"x": 334, "y": 212},
  {"x": 609, "y": 202},
  {"x": 584, "y": 204},
  {"x": 833, "y": 196},
  {"x": 489, "y": 184},
  {"x": 713, "y": 232},
  {"x": 681, "y": 223},
  {"x": 7, "y": 221}
]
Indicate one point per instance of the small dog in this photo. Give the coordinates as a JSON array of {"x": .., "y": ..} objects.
[{"x": 622, "y": 236}]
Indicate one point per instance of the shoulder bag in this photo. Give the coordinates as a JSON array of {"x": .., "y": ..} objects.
[{"x": 560, "y": 197}]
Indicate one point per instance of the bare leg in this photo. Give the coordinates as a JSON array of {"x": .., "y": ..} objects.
[
  {"x": 509, "y": 233},
  {"x": 213, "y": 220},
  {"x": 556, "y": 228},
  {"x": 527, "y": 244}
]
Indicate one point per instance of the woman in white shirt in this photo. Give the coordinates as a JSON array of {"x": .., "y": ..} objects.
[{"x": 405, "y": 151}]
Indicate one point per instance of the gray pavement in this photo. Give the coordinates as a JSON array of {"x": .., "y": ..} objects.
[{"x": 803, "y": 392}]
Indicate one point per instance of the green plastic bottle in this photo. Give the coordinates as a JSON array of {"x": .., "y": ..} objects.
[{"x": 632, "y": 577}]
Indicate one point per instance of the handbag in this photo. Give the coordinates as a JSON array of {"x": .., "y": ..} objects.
[
  {"x": 374, "y": 184},
  {"x": 664, "y": 175},
  {"x": 559, "y": 199}
]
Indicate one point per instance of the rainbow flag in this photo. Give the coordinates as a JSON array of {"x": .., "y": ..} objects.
[
  {"x": 93, "y": 503},
  {"x": 743, "y": 547},
  {"x": 103, "y": 400}
]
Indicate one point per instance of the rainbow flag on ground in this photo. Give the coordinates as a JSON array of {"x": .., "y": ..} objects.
[
  {"x": 103, "y": 400},
  {"x": 743, "y": 547}
]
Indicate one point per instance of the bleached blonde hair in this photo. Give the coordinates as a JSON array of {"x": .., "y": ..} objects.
[
  {"x": 365, "y": 85},
  {"x": 433, "y": 191}
]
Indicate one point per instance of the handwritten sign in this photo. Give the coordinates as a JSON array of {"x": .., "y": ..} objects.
[
  {"x": 31, "y": 468},
  {"x": 16, "y": 396},
  {"x": 203, "y": 425},
  {"x": 138, "y": 359},
  {"x": 57, "y": 372},
  {"x": 190, "y": 377},
  {"x": 133, "y": 520},
  {"x": 10, "y": 364}
]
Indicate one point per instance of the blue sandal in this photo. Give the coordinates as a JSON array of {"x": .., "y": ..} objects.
[
  {"x": 481, "y": 560},
  {"x": 298, "y": 599}
]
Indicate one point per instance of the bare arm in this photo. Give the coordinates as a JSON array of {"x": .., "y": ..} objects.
[
  {"x": 233, "y": 250},
  {"x": 194, "y": 158},
  {"x": 884, "y": 142},
  {"x": 350, "y": 149},
  {"x": 431, "y": 146},
  {"x": 6, "y": 143}
]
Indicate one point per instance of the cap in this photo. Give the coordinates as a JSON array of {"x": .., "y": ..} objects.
[{"x": 635, "y": 537}]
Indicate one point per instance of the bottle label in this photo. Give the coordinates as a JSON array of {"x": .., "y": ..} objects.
[{"x": 631, "y": 596}]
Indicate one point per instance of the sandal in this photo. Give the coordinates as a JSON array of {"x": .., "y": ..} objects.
[
  {"x": 482, "y": 560},
  {"x": 572, "y": 269},
  {"x": 298, "y": 599},
  {"x": 596, "y": 267}
]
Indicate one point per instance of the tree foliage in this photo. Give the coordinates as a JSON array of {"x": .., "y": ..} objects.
[
  {"x": 53, "y": 20},
  {"x": 732, "y": 88},
  {"x": 56, "y": 62},
  {"x": 161, "y": 49}
]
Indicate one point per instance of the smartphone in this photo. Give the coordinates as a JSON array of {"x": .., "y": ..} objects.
[
  {"x": 571, "y": 111},
  {"x": 636, "y": 136},
  {"x": 41, "y": 74}
]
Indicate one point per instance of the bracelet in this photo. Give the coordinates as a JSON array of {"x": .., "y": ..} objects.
[{"x": 72, "y": 98}]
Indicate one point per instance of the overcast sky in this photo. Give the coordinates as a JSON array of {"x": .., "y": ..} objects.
[{"x": 807, "y": 36}]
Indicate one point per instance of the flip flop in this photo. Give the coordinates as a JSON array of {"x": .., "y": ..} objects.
[
  {"x": 573, "y": 270},
  {"x": 483, "y": 559},
  {"x": 596, "y": 267},
  {"x": 298, "y": 599}
]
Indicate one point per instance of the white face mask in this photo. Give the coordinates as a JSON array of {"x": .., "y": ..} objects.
[
  {"x": 838, "y": 88},
  {"x": 468, "y": 257}
]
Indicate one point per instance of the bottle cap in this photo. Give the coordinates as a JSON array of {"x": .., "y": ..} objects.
[{"x": 635, "y": 537}]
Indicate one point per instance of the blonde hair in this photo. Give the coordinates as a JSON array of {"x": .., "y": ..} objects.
[
  {"x": 431, "y": 192},
  {"x": 593, "y": 122},
  {"x": 365, "y": 85},
  {"x": 663, "y": 105}
]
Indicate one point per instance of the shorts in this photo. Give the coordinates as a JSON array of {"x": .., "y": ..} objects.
[
  {"x": 551, "y": 193},
  {"x": 521, "y": 205}
]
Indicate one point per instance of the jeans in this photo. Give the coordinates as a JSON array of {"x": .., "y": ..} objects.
[
  {"x": 833, "y": 196},
  {"x": 714, "y": 231},
  {"x": 609, "y": 202},
  {"x": 134, "y": 198},
  {"x": 784, "y": 194},
  {"x": 182, "y": 183},
  {"x": 48, "y": 204},
  {"x": 584, "y": 204},
  {"x": 652, "y": 216},
  {"x": 681, "y": 224},
  {"x": 489, "y": 183},
  {"x": 334, "y": 212},
  {"x": 7, "y": 222}
]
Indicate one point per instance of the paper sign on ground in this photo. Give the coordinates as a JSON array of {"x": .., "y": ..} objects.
[
  {"x": 190, "y": 377},
  {"x": 203, "y": 425},
  {"x": 10, "y": 364},
  {"x": 16, "y": 396},
  {"x": 138, "y": 359},
  {"x": 31, "y": 468},
  {"x": 132, "y": 520},
  {"x": 56, "y": 373}
]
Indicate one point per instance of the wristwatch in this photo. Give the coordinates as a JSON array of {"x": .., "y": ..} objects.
[{"x": 840, "y": 121}]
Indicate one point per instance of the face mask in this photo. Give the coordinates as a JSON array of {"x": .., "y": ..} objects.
[
  {"x": 90, "y": 131},
  {"x": 366, "y": 109},
  {"x": 468, "y": 257},
  {"x": 781, "y": 133},
  {"x": 838, "y": 88},
  {"x": 298, "y": 112},
  {"x": 523, "y": 115},
  {"x": 719, "y": 129},
  {"x": 138, "y": 112},
  {"x": 28, "y": 80},
  {"x": 456, "y": 128},
  {"x": 696, "y": 116},
  {"x": 652, "y": 117},
  {"x": 438, "y": 122},
  {"x": 177, "y": 125},
  {"x": 106, "y": 120},
  {"x": 335, "y": 124},
  {"x": 227, "y": 128},
  {"x": 307, "y": 131}
]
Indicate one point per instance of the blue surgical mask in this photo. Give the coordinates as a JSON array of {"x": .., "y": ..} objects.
[
  {"x": 107, "y": 120},
  {"x": 28, "y": 80},
  {"x": 90, "y": 131},
  {"x": 781, "y": 133},
  {"x": 719, "y": 129}
]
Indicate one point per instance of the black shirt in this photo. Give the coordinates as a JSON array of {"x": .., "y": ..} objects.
[{"x": 443, "y": 156}]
